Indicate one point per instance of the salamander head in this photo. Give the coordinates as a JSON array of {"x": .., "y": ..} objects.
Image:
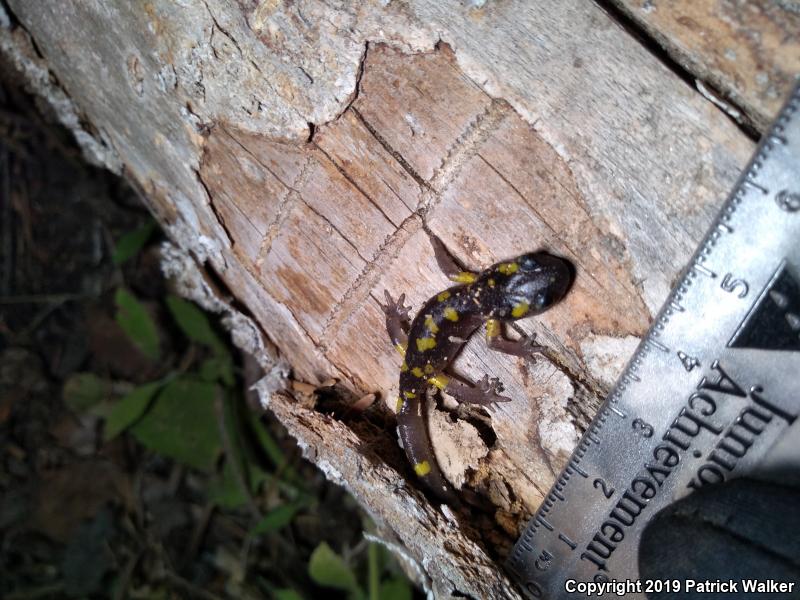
[{"x": 534, "y": 283}]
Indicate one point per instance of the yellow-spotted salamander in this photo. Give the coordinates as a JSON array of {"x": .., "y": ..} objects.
[{"x": 522, "y": 287}]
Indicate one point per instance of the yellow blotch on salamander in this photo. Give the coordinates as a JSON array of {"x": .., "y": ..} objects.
[
  {"x": 520, "y": 309},
  {"x": 422, "y": 468},
  {"x": 490, "y": 282},
  {"x": 464, "y": 277},
  {"x": 416, "y": 372},
  {"x": 425, "y": 343},
  {"x": 432, "y": 327},
  {"x": 508, "y": 268},
  {"x": 404, "y": 367},
  {"x": 440, "y": 381},
  {"x": 492, "y": 328},
  {"x": 399, "y": 404},
  {"x": 451, "y": 314},
  {"x": 428, "y": 369},
  {"x": 409, "y": 395},
  {"x": 401, "y": 348},
  {"x": 443, "y": 296}
]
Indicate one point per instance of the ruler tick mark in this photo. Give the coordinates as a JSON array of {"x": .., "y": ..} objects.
[
  {"x": 724, "y": 228},
  {"x": 567, "y": 541},
  {"x": 704, "y": 270},
  {"x": 748, "y": 181},
  {"x": 544, "y": 522},
  {"x": 675, "y": 306},
  {"x": 776, "y": 140},
  {"x": 574, "y": 464},
  {"x": 656, "y": 344}
]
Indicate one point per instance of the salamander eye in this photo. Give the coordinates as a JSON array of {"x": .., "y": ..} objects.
[
  {"x": 528, "y": 262},
  {"x": 542, "y": 299}
]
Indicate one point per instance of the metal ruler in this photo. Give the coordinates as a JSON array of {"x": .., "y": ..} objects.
[{"x": 712, "y": 389}]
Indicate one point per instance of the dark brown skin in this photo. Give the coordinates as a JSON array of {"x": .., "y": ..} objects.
[{"x": 515, "y": 289}]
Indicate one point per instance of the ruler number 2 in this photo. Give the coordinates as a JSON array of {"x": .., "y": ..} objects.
[
  {"x": 607, "y": 490},
  {"x": 731, "y": 284}
]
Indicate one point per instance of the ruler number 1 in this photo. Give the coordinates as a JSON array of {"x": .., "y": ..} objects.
[
  {"x": 731, "y": 284},
  {"x": 607, "y": 490}
]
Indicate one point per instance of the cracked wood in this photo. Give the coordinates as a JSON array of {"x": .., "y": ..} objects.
[{"x": 748, "y": 51}]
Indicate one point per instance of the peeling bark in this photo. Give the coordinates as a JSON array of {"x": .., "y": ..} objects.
[{"x": 306, "y": 151}]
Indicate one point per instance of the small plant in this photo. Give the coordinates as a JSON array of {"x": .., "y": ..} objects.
[{"x": 194, "y": 413}]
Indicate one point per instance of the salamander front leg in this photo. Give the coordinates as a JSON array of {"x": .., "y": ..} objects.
[
  {"x": 525, "y": 346},
  {"x": 397, "y": 320},
  {"x": 485, "y": 392},
  {"x": 448, "y": 265}
]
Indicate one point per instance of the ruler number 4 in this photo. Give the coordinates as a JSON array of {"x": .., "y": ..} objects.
[{"x": 731, "y": 284}]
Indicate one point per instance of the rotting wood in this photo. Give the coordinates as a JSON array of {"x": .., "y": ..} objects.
[
  {"x": 747, "y": 51},
  {"x": 545, "y": 125}
]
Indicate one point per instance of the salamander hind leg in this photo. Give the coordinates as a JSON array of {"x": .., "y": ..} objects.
[{"x": 485, "y": 392}]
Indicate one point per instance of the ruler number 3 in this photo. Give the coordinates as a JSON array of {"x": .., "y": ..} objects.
[
  {"x": 607, "y": 490},
  {"x": 731, "y": 284}
]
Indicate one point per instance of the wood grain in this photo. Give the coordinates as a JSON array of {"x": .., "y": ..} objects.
[
  {"x": 375, "y": 184},
  {"x": 748, "y": 51}
]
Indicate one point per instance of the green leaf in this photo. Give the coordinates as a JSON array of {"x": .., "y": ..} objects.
[
  {"x": 329, "y": 569},
  {"x": 267, "y": 442},
  {"x": 127, "y": 411},
  {"x": 218, "y": 368},
  {"x": 82, "y": 391},
  {"x": 226, "y": 491},
  {"x": 182, "y": 423},
  {"x": 194, "y": 324},
  {"x": 396, "y": 589},
  {"x": 130, "y": 243},
  {"x": 287, "y": 594},
  {"x": 283, "y": 469},
  {"x": 272, "y": 449},
  {"x": 136, "y": 323},
  {"x": 278, "y": 518}
]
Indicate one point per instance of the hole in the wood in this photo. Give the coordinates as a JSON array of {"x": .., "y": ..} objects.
[
  {"x": 12, "y": 18},
  {"x": 374, "y": 426},
  {"x": 221, "y": 290},
  {"x": 582, "y": 406},
  {"x": 479, "y": 420}
]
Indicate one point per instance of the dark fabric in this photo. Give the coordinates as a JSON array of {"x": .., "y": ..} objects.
[{"x": 744, "y": 529}]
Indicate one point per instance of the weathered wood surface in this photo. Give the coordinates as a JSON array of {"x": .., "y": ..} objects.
[
  {"x": 498, "y": 127},
  {"x": 749, "y": 51}
]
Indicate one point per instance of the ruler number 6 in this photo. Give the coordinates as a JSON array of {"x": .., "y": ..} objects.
[
  {"x": 607, "y": 490},
  {"x": 643, "y": 428},
  {"x": 730, "y": 284}
]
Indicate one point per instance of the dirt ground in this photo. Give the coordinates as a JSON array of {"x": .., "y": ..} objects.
[{"x": 133, "y": 462}]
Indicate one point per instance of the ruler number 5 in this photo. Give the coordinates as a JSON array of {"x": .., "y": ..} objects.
[
  {"x": 607, "y": 490},
  {"x": 730, "y": 284}
]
